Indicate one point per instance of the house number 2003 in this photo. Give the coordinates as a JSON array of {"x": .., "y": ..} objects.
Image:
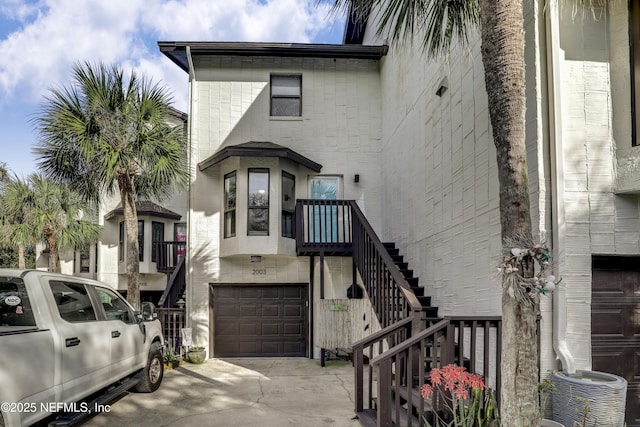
[{"x": 259, "y": 271}]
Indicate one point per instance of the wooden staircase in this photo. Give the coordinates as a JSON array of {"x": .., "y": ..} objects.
[
  {"x": 392, "y": 364},
  {"x": 429, "y": 312}
]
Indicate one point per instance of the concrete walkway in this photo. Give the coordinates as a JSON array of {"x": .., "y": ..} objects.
[{"x": 242, "y": 392}]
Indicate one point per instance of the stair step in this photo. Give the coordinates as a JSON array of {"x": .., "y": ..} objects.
[
  {"x": 424, "y": 300},
  {"x": 406, "y": 273},
  {"x": 389, "y": 245},
  {"x": 416, "y": 396},
  {"x": 397, "y": 258},
  {"x": 393, "y": 251},
  {"x": 430, "y": 311},
  {"x": 403, "y": 416},
  {"x": 367, "y": 418},
  {"x": 413, "y": 282},
  {"x": 402, "y": 265}
]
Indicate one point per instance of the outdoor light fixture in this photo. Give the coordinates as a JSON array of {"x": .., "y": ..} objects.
[
  {"x": 442, "y": 87},
  {"x": 256, "y": 258},
  {"x": 356, "y": 178},
  {"x": 180, "y": 303}
]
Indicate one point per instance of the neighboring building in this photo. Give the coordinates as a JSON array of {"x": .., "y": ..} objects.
[
  {"x": 160, "y": 223},
  {"x": 409, "y": 140}
]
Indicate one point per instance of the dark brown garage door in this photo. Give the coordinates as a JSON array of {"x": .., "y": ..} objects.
[
  {"x": 259, "y": 321},
  {"x": 615, "y": 324}
]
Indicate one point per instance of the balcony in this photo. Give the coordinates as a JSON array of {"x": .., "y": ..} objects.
[{"x": 324, "y": 226}]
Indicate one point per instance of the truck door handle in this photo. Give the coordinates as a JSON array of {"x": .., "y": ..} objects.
[
  {"x": 71, "y": 342},
  {"x": 115, "y": 334}
]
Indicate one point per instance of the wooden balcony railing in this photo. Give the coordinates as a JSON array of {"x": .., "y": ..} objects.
[
  {"x": 338, "y": 227},
  {"x": 473, "y": 342},
  {"x": 323, "y": 226},
  {"x": 168, "y": 255}
]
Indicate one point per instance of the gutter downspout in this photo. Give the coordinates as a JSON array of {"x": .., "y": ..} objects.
[
  {"x": 187, "y": 266},
  {"x": 559, "y": 322}
]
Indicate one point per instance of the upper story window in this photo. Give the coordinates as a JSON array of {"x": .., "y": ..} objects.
[
  {"x": 258, "y": 203},
  {"x": 121, "y": 242},
  {"x": 141, "y": 240},
  {"x": 286, "y": 95},
  {"x": 157, "y": 237},
  {"x": 230, "y": 205},
  {"x": 288, "y": 204}
]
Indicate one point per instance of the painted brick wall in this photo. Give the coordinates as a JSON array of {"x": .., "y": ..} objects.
[{"x": 340, "y": 128}]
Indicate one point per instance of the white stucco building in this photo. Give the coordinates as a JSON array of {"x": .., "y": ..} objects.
[{"x": 409, "y": 140}]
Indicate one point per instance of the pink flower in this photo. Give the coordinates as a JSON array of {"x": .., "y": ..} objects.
[{"x": 426, "y": 391}]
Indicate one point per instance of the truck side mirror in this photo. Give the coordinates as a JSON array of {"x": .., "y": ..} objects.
[{"x": 148, "y": 311}]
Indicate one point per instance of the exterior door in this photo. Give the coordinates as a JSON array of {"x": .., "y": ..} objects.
[
  {"x": 259, "y": 321},
  {"x": 324, "y": 227},
  {"x": 615, "y": 324}
]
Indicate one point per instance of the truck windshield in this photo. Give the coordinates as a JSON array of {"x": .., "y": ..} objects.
[{"x": 15, "y": 309}]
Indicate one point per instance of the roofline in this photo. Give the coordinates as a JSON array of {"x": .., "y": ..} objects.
[
  {"x": 239, "y": 151},
  {"x": 176, "y": 51}
]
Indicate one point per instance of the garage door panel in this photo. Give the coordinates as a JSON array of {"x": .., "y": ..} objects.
[
  {"x": 292, "y": 330},
  {"x": 271, "y": 293},
  {"x": 270, "y": 310},
  {"x": 271, "y": 330},
  {"x": 269, "y": 320}
]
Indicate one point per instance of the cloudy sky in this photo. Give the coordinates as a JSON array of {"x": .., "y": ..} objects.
[{"x": 40, "y": 40}]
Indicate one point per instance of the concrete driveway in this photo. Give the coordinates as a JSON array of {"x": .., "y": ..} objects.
[{"x": 242, "y": 392}]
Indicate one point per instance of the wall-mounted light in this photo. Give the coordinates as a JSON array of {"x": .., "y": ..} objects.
[
  {"x": 256, "y": 258},
  {"x": 356, "y": 178},
  {"x": 443, "y": 86}
]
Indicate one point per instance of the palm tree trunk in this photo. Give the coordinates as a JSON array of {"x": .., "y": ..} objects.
[
  {"x": 53, "y": 252},
  {"x": 502, "y": 38},
  {"x": 22, "y": 262},
  {"x": 125, "y": 184}
]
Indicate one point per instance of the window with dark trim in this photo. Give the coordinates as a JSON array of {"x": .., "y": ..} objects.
[
  {"x": 634, "y": 33},
  {"x": 288, "y": 204},
  {"x": 85, "y": 259},
  {"x": 258, "y": 203},
  {"x": 141, "y": 240},
  {"x": 230, "y": 205},
  {"x": 286, "y": 95},
  {"x": 157, "y": 237},
  {"x": 121, "y": 242}
]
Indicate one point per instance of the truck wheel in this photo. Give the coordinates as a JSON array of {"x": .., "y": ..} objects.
[{"x": 152, "y": 373}]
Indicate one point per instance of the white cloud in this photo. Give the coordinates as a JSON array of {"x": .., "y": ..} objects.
[{"x": 55, "y": 34}]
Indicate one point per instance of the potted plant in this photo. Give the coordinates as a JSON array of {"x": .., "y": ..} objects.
[
  {"x": 196, "y": 354},
  {"x": 171, "y": 361}
]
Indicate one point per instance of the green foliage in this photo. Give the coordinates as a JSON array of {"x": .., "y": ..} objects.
[
  {"x": 40, "y": 210},
  {"x": 466, "y": 402}
]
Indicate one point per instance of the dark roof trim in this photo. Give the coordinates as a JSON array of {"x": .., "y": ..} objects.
[
  {"x": 177, "y": 51},
  {"x": 259, "y": 149},
  {"x": 145, "y": 208}
]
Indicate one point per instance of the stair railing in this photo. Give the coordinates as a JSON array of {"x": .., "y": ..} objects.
[
  {"x": 175, "y": 286},
  {"x": 391, "y": 295},
  {"x": 369, "y": 347},
  {"x": 472, "y": 342}
]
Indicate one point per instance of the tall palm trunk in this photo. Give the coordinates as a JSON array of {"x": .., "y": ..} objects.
[
  {"x": 125, "y": 185},
  {"x": 54, "y": 257},
  {"x": 502, "y": 37},
  {"x": 22, "y": 262}
]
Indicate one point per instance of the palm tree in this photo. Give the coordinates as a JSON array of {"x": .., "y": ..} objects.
[
  {"x": 43, "y": 210},
  {"x": 501, "y": 26},
  {"x": 106, "y": 133},
  {"x": 14, "y": 232}
]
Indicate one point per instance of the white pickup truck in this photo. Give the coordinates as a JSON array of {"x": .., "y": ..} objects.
[{"x": 69, "y": 346}]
